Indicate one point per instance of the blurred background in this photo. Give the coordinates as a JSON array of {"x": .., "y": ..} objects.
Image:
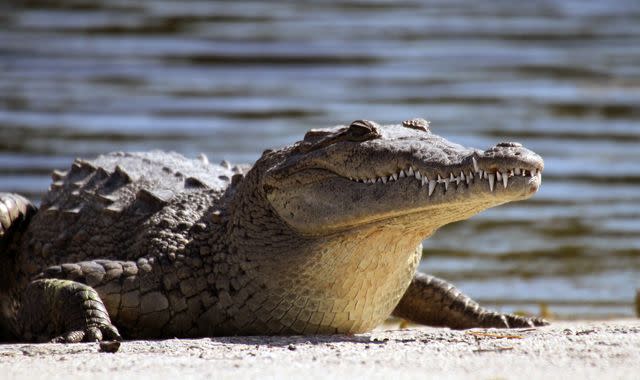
[{"x": 231, "y": 78}]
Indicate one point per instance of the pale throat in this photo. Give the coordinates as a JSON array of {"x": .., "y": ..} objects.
[{"x": 379, "y": 250}]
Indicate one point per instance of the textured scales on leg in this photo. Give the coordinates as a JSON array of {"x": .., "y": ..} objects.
[
  {"x": 319, "y": 237},
  {"x": 435, "y": 302}
]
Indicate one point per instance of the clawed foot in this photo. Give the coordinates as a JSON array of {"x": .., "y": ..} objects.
[
  {"x": 95, "y": 333},
  {"x": 507, "y": 321},
  {"x": 69, "y": 311}
]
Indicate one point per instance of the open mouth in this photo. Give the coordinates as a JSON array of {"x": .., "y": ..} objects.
[{"x": 458, "y": 176}]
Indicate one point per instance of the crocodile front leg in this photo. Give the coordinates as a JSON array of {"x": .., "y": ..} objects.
[
  {"x": 75, "y": 302},
  {"x": 434, "y": 302},
  {"x": 66, "y": 310},
  {"x": 143, "y": 298}
]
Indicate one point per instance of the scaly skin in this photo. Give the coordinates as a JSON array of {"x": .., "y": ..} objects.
[{"x": 320, "y": 237}]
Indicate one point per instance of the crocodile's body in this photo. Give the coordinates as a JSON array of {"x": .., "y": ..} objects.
[{"x": 300, "y": 244}]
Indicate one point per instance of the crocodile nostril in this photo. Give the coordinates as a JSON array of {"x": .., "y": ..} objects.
[{"x": 509, "y": 144}]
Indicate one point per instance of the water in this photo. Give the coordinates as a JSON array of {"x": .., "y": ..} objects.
[{"x": 80, "y": 78}]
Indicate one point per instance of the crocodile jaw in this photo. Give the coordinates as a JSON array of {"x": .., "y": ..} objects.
[
  {"x": 426, "y": 204},
  {"x": 415, "y": 179}
]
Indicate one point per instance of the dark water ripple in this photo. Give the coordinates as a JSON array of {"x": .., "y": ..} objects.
[{"x": 79, "y": 78}]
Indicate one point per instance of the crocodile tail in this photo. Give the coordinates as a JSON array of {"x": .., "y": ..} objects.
[{"x": 15, "y": 213}]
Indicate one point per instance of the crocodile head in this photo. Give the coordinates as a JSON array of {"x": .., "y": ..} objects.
[{"x": 346, "y": 177}]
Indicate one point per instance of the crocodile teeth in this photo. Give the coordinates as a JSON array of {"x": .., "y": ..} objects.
[
  {"x": 432, "y": 186},
  {"x": 423, "y": 179},
  {"x": 475, "y": 164}
]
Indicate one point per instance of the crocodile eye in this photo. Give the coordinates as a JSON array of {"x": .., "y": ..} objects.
[{"x": 361, "y": 130}]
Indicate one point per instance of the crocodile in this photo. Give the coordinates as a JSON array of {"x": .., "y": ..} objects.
[{"x": 320, "y": 237}]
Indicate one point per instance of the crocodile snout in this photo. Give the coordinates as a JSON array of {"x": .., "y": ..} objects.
[{"x": 509, "y": 156}]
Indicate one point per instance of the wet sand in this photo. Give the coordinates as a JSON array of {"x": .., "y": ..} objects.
[{"x": 576, "y": 349}]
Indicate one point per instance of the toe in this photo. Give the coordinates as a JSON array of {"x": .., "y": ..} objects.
[
  {"x": 93, "y": 334},
  {"x": 516, "y": 321},
  {"x": 540, "y": 322},
  {"x": 110, "y": 332},
  {"x": 494, "y": 320},
  {"x": 74, "y": 336}
]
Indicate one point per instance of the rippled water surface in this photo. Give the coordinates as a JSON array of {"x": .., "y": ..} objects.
[{"x": 80, "y": 78}]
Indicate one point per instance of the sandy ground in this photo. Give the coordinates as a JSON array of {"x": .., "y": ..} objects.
[{"x": 580, "y": 350}]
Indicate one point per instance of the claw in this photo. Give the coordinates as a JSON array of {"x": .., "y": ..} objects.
[
  {"x": 505, "y": 322},
  {"x": 111, "y": 346}
]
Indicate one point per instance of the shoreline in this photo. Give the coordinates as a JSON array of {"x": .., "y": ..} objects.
[{"x": 565, "y": 349}]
